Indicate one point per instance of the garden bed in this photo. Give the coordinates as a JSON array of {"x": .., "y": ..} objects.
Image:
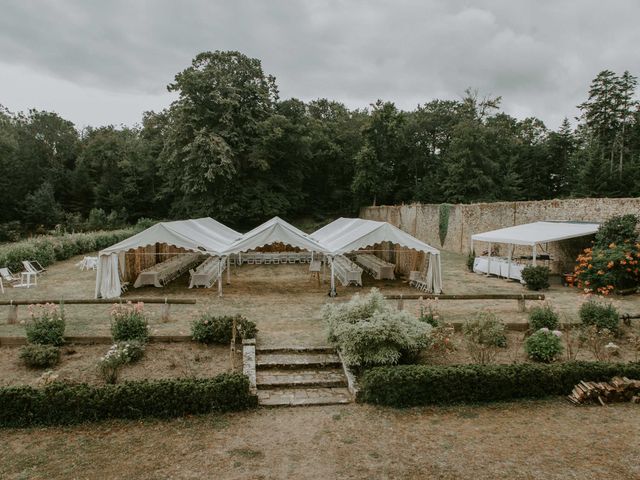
[{"x": 78, "y": 363}]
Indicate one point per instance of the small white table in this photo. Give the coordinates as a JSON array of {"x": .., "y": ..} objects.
[{"x": 28, "y": 280}]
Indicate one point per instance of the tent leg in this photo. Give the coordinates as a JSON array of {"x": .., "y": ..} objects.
[
  {"x": 219, "y": 281},
  {"x": 534, "y": 255},
  {"x": 228, "y": 271},
  {"x": 332, "y": 292},
  {"x": 489, "y": 260},
  {"x": 510, "y": 255}
]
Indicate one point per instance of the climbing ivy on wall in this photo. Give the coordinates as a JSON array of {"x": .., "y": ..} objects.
[{"x": 443, "y": 225}]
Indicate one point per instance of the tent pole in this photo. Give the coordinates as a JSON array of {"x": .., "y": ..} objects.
[
  {"x": 510, "y": 255},
  {"x": 534, "y": 254},
  {"x": 332, "y": 292},
  {"x": 489, "y": 260},
  {"x": 229, "y": 270},
  {"x": 219, "y": 281},
  {"x": 312, "y": 255}
]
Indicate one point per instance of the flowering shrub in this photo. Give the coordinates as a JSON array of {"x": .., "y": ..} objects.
[
  {"x": 544, "y": 316},
  {"x": 219, "y": 329},
  {"x": 544, "y": 345},
  {"x": 618, "y": 229},
  {"x": 427, "y": 311},
  {"x": 129, "y": 322},
  {"x": 40, "y": 356},
  {"x": 601, "y": 315},
  {"x": 121, "y": 353},
  {"x": 484, "y": 335},
  {"x": 46, "y": 326},
  {"x": 603, "y": 269},
  {"x": 369, "y": 332},
  {"x": 441, "y": 343},
  {"x": 536, "y": 278}
]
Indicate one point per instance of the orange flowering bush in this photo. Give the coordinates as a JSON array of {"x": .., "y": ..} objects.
[{"x": 605, "y": 269}]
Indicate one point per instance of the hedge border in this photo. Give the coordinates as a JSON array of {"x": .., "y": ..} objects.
[
  {"x": 415, "y": 385},
  {"x": 65, "y": 403}
]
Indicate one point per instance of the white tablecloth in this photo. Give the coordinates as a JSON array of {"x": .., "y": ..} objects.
[{"x": 499, "y": 267}]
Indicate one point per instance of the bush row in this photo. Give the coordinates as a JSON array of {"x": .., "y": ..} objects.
[
  {"x": 62, "y": 403},
  {"x": 47, "y": 249},
  {"x": 413, "y": 385}
]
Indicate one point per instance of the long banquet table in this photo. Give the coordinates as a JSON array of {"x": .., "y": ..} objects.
[{"x": 499, "y": 267}]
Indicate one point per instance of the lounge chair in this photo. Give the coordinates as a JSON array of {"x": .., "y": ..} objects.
[
  {"x": 33, "y": 266},
  {"x": 13, "y": 280}
]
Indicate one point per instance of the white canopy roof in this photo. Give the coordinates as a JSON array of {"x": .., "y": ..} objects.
[
  {"x": 272, "y": 231},
  {"x": 537, "y": 232},
  {"x": 349, "y": 234},
  {"x": 203, "y": 234}
]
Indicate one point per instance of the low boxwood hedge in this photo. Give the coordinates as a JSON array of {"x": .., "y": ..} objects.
[
  {"x": 413, "y": 385},
  {"x": 62, "y": 403}
]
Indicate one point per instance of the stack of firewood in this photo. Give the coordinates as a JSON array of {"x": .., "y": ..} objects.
[{"x": 619, "y": 389}]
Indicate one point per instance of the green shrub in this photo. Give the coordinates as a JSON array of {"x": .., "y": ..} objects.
[
  {"x": 62, "y": 404},
  {"x": 129, "y": 322},
  {"x": 601, "y": 315},
  {"x": 368, "y": 332},
  {"x": 484, "y": 335},
  {"x": 121, "y": 353},
  {"x": 413, "y": 385},
  {"x": 210, "y": 329},
  {"x": 536, "y": 278},
  {"x": 47, "y": 249},
  {"x": 46, "y": 325},
  {"x": 543, "y": 317},
  {"x": 40, "y": 356},
  {"x": 428, "y": 312},
  {"x": 618, "y": 230},
  {"x": 602, "y": 270},
  {"x": 544, "y": 345}
]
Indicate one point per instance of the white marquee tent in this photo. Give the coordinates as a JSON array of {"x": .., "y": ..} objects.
[
  {"x": 350, "y": 234},
  {"x": 204, "y": 235},
  {"x": 532, "y": 234}
]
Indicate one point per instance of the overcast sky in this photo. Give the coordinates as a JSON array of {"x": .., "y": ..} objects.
[{"x": 105, "y": 62}]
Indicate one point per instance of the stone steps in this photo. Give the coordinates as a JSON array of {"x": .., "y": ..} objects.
[
  {"x": 297, "y": 376},
  {"x": 301, "y": 378},
  {"x": 303, "y": 396},
  {"x": 301, "y": 359}
]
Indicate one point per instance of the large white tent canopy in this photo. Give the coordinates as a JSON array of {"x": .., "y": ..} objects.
[
  {"x": 275, "y": 230},
  {"x": 204, "y": 235},
  {"x": 210, "y": 237},
  {"x": 537, "y": 232},
  {"x": 350, "y": 234}
]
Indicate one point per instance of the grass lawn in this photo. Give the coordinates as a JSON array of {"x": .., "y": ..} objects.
[{"x": 521, "y": 440}]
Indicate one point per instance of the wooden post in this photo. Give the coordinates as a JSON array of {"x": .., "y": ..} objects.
[
  {"x": 232, "y": 350},
  {"x": 400, "y": 303},
  {"x": 13, "y": 314},
  {"x": 164, "y": 311},
  {"x": 521, "y": 305}
]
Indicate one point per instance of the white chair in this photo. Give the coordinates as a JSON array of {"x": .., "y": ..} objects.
[
  {"x": 15, "y": 280},
  {"x": 33, "y": 266}
]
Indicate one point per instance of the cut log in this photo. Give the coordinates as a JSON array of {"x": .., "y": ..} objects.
[{"x": 619, "y": 389}]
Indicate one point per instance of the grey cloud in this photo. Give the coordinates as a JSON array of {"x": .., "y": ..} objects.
[{"x": 539, "y": 56}]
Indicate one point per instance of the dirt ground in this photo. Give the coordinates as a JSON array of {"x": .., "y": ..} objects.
[
  {"x": 161, "y": 360},
  {"x": 522, "y": 440},
  {"x": 283, "y": 300}
]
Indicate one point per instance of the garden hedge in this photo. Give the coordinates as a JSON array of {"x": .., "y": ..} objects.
[
  {"x": 413, "y": 385},
  {"x": 47, "y": 249},
  {"x": 63, "y": 403}
]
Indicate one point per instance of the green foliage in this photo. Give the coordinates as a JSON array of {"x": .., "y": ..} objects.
[
  {"x": 46, "y": 325},
  {"x": 369, "y": 332},
  {"x": 599, "y": 314},
  {"x": 619, "y": 229},
  {"x": 40, "y": 356},
  {"x": 484, "y": 335},
  {"x": 414, "y": 385},
  {"x": 129, "y": 322},
  {"x": 120, "y": 354},
  {"x": 64, "y": 404},
  {"x": 544, "y": 345},
  {"x": 536, "y": 278},
  {"x": 47, "y": 249},
  {"x": 443, "y": 221},
  {"x": 211, "y": 329},
  {"x": 543, "y": 317}
]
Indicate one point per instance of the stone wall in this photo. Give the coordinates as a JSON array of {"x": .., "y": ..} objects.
[{"x": 422, "y": 220}]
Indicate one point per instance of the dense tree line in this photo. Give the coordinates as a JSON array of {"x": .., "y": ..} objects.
[{"x": 230, "y": 148}]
